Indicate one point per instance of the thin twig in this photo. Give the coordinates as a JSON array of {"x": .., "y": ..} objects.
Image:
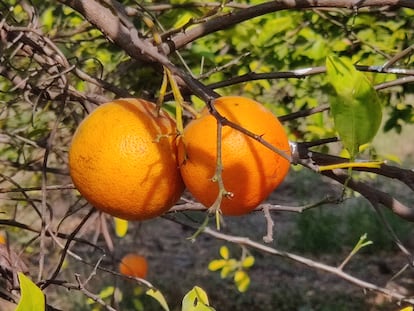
[
  {"x": 235, "y": 17},
  {"x": 309, "y": 263},
  {"x": 69, "y": 240},
  {"x": 92, "y": 296},
  {"x": 268, "y": 238}
]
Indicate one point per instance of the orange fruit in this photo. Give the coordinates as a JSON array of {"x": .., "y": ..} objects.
[
  {"x": 123, "y": 160},
  {"x": 251, "y": 171},
  {"x": 134, "y": 265}
]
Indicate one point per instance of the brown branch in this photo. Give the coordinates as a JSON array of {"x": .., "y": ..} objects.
[
  {"x": 190, "y": 205},
  {"x": 310, "y": 71},
  {"x": 372, "y": 194},
  {"x": 304, "y": 113},
  {"x": 396, "y": 82},
  {"x": 16, "y": 224},
  {"x": 309, "y": 263},
  {"x": 167, "y": 6},
  {"x": 92, "y": 296},
  {"x": 66, "y": 248},
  {"x": 225, "y": 21},
  {"x": 50, "y": 187},
  {"x": 268, "y": 238},
  {"x": 404, "y": 175},
  {"x": 112, "y": 19}
]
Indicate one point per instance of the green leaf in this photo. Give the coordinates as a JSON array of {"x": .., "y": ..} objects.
[
  {"x": 196, "y": 300},
  {"x": 242, "y": 280},
  {"x": 183, "y": 20},
  {"x": 32, "y": 298},
  {"x": 158, "y": 296},
  {"x": 355, "y": 108},
  {"x": 121, "y": 227}
]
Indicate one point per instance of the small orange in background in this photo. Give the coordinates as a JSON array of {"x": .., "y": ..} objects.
[
  {"x": 123, "y": 159},
  {"x": 134, "y": 265},
  {"x": 251, "y": 171},
  {"x": 2, "y": 238}
]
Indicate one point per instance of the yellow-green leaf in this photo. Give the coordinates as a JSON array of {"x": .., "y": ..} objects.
[
  {"x": 157, "y": 295},
  {"x": 121, "y": 227},
  {"x": 32, "y": 298},
  {"x": 248, "y": 262},
  {"x": 225, "y": 272},
  {"x": 183, "y": 20},
  {"x": 228, "y": 268},
  {"x": 107, "y": 292},
  {"x": 196, "y": 300},
  {"x": 242, "y": 280},
  {"x": 217, "y": 264},
  {"x": 355, "y": 107},
  {"x": 224, "y": 252}
]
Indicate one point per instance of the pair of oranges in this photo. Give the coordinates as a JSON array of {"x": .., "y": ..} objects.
[{"x": 127, "y": 160}]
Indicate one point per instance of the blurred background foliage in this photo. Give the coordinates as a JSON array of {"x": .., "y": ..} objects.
[{"x": 280, "y": 41}]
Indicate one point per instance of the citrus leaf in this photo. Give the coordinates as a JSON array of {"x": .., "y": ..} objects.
[
  {"x": 32, "y": 298},
  {"x": 217, "y": 264},
  {"x": 107, "y": 292},
  {"x": 242, "y": 280},
  {"x": 121, "y": 227},
  {"x": 224, "y": 252},
  {"x": 196, "y": 300},
  {"x": 356, "y": 107},
  {"x": 228, "y": 268},
  {"x": 225, "y": 272},
  {"x": 158, "y": 296},
  {"x": 248, "y": 262}
]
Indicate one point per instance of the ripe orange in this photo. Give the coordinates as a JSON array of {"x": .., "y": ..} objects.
[
  {"x": 251, "y": 171},
  {"x": 134, "y": 265},
  {"x": 122, "y": 165}
]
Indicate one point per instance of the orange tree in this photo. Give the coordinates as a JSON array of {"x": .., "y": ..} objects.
[{"x": 334, "y": 72}]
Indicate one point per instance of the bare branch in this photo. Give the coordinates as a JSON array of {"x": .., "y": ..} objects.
[
  {"x": 310, "y": 71},
  {"x": 404, "y": 175},
  {"x": 372, "y": 194},
  {"x": 92, "y": 296},
  {"x": 69, "y": 240},
  {"x": 227, "y": 20},
  {"x": 309, "y": 263},
  {"x": 268, "y": 238}
]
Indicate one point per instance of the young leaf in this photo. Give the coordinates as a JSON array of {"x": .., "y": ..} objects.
[
  {"x": 216, "y": 264},
  {"x": 32, "y": 298},
  {"x": 248, "y": 262},
  {"x": 224, "y": 252},
  {"x": 355, "y": 108},
  {"x": 196, "y": 300},
  {"x": 121, "y": 227},
  {"x": 158, "y": 296},
  {"x": 228, "y": 268},
  {"x": 242, "y": 280}
]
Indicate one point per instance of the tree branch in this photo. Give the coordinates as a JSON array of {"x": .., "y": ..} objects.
[
  {"x": 227, "y": 20},
  {"x": 307, "y": 262},
  {"x": 404, "y": 175}
]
